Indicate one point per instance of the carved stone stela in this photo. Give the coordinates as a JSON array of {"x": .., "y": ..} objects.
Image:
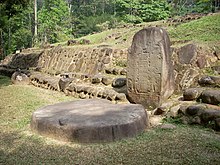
[{"x": 150, "y": 72}]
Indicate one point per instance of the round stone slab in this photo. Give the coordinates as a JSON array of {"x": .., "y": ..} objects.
[{"x": 91, "y": 120}]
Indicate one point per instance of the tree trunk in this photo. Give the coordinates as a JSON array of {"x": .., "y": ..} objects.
[{"x": 35, "y": 18}]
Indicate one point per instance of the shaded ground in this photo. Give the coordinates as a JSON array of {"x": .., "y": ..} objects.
[{"x": 183, "y": 145}]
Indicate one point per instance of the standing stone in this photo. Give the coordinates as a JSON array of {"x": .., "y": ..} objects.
[{"x": 150, "y": 76}]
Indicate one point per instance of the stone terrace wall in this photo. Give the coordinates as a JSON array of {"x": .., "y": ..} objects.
[{"x": 79, "y": 60}]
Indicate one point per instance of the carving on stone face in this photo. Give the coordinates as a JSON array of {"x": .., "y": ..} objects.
[{"x": 150, "y": 73}]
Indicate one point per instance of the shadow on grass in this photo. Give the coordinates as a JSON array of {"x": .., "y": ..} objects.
[
  {"x": 4, "y": 81},
  {"x": 152, "y": 147}
]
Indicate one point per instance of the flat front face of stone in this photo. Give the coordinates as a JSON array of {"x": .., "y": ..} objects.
[
  {"x": 92, "y": 120},
  {"x": 149, "y": 70},
  {"x": 187, "y": 54}
]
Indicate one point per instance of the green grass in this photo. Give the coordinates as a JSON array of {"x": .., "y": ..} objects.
[
  {"x": 18, "y": 145},
  {"x": 4, "y": 81},
  {"x": 205, "y": 29}
]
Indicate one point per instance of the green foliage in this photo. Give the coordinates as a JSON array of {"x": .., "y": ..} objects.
[
  {"x": 182, "y": 7},
  {"x": 137, "y": 11},
  {"x": 53, "y": 21},
  {"x": 91, "y": 24},
  {"x": 121, "y": 63},
  {"x": 172, "y": 120},
  {"x": 155, "y": 10},
  {"x": 16, "y": 27}
]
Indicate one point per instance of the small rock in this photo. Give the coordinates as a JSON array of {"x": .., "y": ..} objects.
[
  {"x": 168, "y": 126},
  {"x": 160, "y": 111},
  {"x": 119, "y": 82},
  {"x": 121, "y": 97},
  {"x": 109, "y": 70},
  {"x": 123, "y": 71},
  {"x": 174, "y": 111},
  {"x": 64, "y": 82},
  {"x": 96, "y": 79},
  {"x": 116, "y": 71},
  {"x": 82, "y": 95},
  {"x": 20, "y": 78},
  {"x": 155, "y": 120},
  {"x": 107, "y": 80}
]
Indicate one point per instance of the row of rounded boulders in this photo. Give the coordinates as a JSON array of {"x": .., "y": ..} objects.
[
  {"x": 70, "y": 87},
  {"x": 44, "y": 81},
  {"x": 116, "y": 82},
  {"x": 96, "y": 79},
  {"x": 191, "y": 94},
  {"x": 87, "y": 91},
  {"x": 210, "y": 96},
  {"x": 116, "y": 71},
  {"x": 210, "y": 81},
  {"x": 89, "y": 121},
  {"x": 185, "y": 18},
  {"x": 202, "y": 114},
  {"x": 77, "y": 42}
]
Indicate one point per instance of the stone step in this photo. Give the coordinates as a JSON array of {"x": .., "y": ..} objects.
[{"x": 116, "y": 71}]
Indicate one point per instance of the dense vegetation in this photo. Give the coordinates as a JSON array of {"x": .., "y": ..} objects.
[{"x": 59, "y": 20}]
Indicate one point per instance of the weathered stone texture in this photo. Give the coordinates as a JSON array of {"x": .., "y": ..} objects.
[
  {"x": 150, "y": 78},
  {"x": 90, "y": 121},
  {"x": 187, "y": 54},
  {"x": 188, "y": 62},
  {"x": 20, "y": 78},
  {"x": 85, "y": 60}
]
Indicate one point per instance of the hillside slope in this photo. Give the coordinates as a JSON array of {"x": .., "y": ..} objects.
[{"x": 192, "y": 28}]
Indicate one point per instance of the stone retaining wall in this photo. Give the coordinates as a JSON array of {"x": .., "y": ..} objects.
[{"x": 80, "y": 60}]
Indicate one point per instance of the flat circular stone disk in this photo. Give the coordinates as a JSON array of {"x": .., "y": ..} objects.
[{"x": 91, "y": 120}]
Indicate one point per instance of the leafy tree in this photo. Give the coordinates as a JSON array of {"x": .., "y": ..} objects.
[
  {"x": 53, "y": 21},
  {"x": 15, "y": 29},
  {"x": 137, "y": 11}
]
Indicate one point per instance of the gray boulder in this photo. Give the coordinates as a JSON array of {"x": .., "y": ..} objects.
[
  {"x": 119, "y": 82},
  {"x": 20, "y": 78}
]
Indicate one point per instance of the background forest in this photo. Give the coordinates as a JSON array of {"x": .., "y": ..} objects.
[{"x": 27, "y": 23}]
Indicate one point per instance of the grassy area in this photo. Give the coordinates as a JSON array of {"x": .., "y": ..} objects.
[
  {"x": 18, "y": 145},
  {"x": 205, "y": 29}
]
